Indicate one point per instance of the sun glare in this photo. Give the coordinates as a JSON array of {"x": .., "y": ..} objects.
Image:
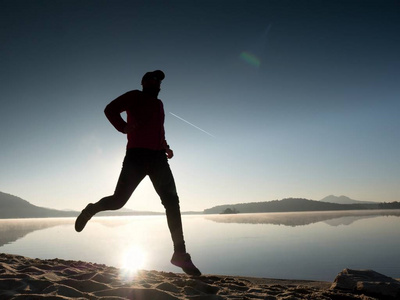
[{"x": 132, "y": 261}]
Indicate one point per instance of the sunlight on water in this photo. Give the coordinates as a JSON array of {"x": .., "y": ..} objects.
[
  {"x": 304, "y": 245},
  {"x": 132, "y": 260}
]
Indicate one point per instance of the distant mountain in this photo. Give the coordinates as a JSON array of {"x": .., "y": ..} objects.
[
  {"x": 344, "y": 200},
  {"x": 297, "y": 204},
  {"x": 15, "y": 207}
]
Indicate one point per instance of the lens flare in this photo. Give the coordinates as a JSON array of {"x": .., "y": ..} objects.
[
  {"x": 259, "y": 47},
  {"x": 250, "y": 59}
]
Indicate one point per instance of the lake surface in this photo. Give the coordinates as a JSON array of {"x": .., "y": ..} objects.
[{"x": 305, "y": 245}]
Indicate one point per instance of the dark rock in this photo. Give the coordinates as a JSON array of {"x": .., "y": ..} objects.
[
  {"x": 204, "y": 287},
  {"x": 367, "y": 282},
  {"x": 168, "y": 287}
]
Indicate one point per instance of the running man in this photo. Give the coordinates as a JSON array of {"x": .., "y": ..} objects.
[{"x": 147, "y": 153}]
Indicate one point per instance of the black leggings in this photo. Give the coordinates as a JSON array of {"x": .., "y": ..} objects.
[{"x": 137, "y": 164}]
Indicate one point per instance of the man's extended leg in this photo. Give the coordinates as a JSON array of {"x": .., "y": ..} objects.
[
  {"x": 163, "y": 181},
  {"x": 132, "y": 174},
  {"x": 164, "y": 184}
]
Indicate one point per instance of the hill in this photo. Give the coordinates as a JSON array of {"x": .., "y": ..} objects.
[
  {"x": 296, "y": 204},
  {"x": 15, "y": 207},
  {"x": 344, "y": 200}
]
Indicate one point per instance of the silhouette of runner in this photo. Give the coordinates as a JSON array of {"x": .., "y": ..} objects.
[{"x": 146, "y": 154}]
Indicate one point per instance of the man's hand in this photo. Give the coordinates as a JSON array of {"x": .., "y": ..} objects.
[{"x": 170, "y": 153}]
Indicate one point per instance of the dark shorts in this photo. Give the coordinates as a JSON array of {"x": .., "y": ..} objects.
[{"x": 139, "y": 163}]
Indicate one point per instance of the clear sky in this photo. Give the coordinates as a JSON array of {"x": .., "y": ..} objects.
[{"x": 296, "y": 98}]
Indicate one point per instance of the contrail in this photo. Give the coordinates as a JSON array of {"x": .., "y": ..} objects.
[{"x": 192, "y": 124}]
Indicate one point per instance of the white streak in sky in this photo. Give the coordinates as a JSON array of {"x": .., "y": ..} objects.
[{"x": 192, "y": 124}]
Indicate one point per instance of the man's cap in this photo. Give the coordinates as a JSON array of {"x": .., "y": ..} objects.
[{"x": 157, "y": 75}]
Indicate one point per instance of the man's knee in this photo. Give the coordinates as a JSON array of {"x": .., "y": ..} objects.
[
  {"x": 117, "y": 201},
  {"x": 170, "y": 201}
]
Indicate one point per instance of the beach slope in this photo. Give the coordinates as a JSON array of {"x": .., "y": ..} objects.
[{"x": 27, "y": 278}]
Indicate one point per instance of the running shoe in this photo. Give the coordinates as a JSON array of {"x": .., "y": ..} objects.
[
  {"x": 184, "y": 261},
  {"x": 83, "y": 218}
]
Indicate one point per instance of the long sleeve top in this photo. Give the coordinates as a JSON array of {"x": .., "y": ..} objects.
[{"x": 145, "y": 113}]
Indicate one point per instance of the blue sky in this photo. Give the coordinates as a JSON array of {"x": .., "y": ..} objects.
[{"x": 301, "y": 98}]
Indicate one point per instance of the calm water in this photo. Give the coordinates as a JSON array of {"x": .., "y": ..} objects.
[{"x": 315, "y": 245}]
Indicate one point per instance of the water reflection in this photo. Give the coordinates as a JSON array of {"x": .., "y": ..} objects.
[
  {"x": 12, "y": 230},
  {"x": 298, "y": 249},
  {"x": 293, "y": 219}
]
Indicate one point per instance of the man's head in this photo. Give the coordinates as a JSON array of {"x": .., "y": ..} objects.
[{"x": 152, "y": 80}]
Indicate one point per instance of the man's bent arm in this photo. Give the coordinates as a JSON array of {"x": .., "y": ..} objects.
[{"x": 113, "y": 113}]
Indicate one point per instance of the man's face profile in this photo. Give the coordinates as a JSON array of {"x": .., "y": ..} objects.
[{"x": 152, "y": 83}]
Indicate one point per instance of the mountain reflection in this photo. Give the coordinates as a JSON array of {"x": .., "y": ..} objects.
[
  {"x": 332, "y": 218},
  {"x": 12, "y": 230}
]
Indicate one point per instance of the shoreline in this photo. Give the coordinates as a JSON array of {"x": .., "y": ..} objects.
[
  {"x": 22, "y": 277},
  {"x": 335, "y": 212}
]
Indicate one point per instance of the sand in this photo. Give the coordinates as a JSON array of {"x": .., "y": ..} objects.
[{"x": 27, "y": 278}]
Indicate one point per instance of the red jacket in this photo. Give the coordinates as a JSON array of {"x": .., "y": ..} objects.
[{"x": 145, "y": 113}]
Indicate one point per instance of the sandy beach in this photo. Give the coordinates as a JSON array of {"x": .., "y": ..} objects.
[{"x": 28, "y": 278}]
